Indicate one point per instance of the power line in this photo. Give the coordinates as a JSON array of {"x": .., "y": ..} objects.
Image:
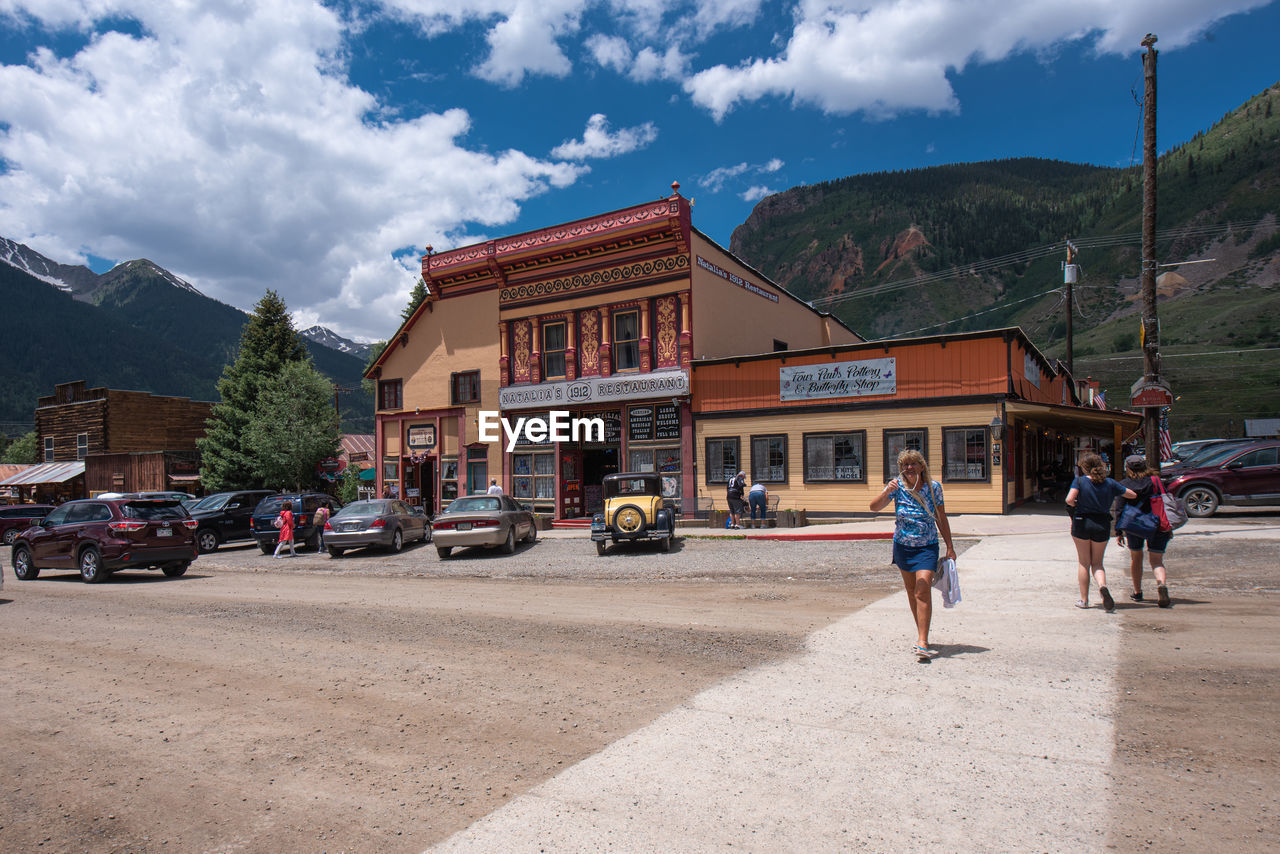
[
  {"x": 975, "y": 314},
  {"x": 1176, "y": 355}
]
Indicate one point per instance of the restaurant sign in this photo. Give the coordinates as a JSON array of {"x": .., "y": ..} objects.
[
  {"x": 595, "y": 390},
  {"x": 838, "y": 379}
]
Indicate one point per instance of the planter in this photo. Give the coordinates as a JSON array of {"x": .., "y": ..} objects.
[
  {"x": 802, "y": 519},
  {"x": 542, "y": 521},
  {"x": 786, "y": 518}
]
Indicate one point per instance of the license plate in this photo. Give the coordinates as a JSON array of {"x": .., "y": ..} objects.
[
  {"x": 464, "y": 526},
  {"x": 351, "y": 526},
  {"x": 164, "y": 532},
  {"x": 597, "y": 526}
]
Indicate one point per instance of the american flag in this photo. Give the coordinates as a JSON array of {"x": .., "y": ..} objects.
[{"x": 1166, "y": 446}]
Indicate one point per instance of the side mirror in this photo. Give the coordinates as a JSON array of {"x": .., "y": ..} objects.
[
  {"x": 232, "y": 506},
  {"x": 1235, "y": 464}
]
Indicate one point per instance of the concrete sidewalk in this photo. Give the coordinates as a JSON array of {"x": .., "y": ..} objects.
[{"x": 1002, "y": 743}]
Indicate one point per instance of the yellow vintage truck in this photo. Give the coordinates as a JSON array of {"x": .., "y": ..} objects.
[{"x": 634, "y": 509}]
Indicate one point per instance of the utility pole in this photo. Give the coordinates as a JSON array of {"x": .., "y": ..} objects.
[
  {"x": 1150, "y": 392},
  {"x": 1070, "y": 273}
]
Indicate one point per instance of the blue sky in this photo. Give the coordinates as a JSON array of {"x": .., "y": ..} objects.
[{"x": 316, "y": 148}]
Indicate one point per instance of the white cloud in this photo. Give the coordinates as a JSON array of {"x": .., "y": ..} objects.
[
  {"x": 715, "y": 180},
  {"x": 883, "y": 57},
  {"x": 756, "y": 193},
  {"x": 597, "y": 141},
  {"x": 611, "y": 52},
  {"x": 230, "y": 148},
  {"x": 649, "y": 65}
]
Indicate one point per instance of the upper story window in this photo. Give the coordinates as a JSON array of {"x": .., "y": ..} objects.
[
  {"x": 465, "y": 387},
  {"x": 82, "y": 446},
  {"x": 389, "y": 394},
  {"x": 626, "y": 340},
  {"x": 48, "y": 449},
  {"x": 554, "y": 344}
]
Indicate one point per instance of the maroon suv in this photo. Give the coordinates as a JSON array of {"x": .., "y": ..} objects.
[
  {"x": 1239, "y": 474},
  {"x": 16, "y": 518},
  {"x": 98, "y": 536}
]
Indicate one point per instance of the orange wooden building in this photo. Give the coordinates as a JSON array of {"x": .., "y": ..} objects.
[{"x": 822, "y": 428}]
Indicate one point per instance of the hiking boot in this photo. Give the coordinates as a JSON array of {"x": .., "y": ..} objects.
[
  {"x": 1108, "y": 604},
  {"x": 1163, "y": 593}
]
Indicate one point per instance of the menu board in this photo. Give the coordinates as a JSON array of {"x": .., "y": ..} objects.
[
  {"x": 640, "y": 424},
  {"x": 667, "y": 422},
  {"x": 612, "y": 426}
]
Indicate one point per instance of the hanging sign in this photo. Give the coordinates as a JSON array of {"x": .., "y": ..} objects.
[{"x": 422, "y": 436}]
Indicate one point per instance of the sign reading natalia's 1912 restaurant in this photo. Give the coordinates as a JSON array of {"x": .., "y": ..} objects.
[{"x": 838, "y": 379}]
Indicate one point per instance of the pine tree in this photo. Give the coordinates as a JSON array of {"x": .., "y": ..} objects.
[
  {"x": 416, "y": 297},
  {"x": 268, "y": 343}
]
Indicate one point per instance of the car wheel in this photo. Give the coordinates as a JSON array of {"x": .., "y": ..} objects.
[
  {"x": 206, "y": 541},
  {"x": 509, "y": 547},
  {"x": 10, "y": 536},
  {"x": 426, "y": 533},
  {"x": 266, "y": 549},
  {"x": 334, "y": 551},
  {"x": 665, "y": 543},
  {"x": 600, "y": 547},
  {"x": 533, "y": 533},
  {"x": 23, "y": 568},
  {"x": 443, "y": 551},
  {"x": 91, "y": 570},
  {"x": 397, "y": 540},
  {"x": 175, "y": 570},
  {"x": 629, "y": 519},
  {"x": 1201, "y": 501}
]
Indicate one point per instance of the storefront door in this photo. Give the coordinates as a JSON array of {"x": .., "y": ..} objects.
[{"x": 571, "y": 497}]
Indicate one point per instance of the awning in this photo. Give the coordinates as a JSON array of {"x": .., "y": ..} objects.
[
  {"x": 185, "y": 478},
  {"x": 369, "y": 474},
  {"x": 46, "y": 473},
  {"x": 1079, "y": 420}
]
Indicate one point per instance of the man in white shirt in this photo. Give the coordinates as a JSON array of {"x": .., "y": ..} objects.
[{"x": 494, "y": 489}]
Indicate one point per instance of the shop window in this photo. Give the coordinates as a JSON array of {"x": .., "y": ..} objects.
[
  {"x": 835, "y": 457},
  {"x": 722, "y": 459},
  {"x": 965, "y": 453},
  {"x": 48, "y": 449},
  {"x": 553, "y": 350},
  {"x": 82, "y": 445},
  {"x": 389, "y": 396},
  {"x": 534, "y": 477},
  {"x": 665, "y": 461},
  {"x": 897, "y": 441},
  {"x": 448, "y": 479},
  {"x": 626, "y": 340},
  {"x": 465, "y": 387},
  {"x": 769, "y": 459}
]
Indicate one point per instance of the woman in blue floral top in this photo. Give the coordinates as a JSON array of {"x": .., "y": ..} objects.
[{"x": 919, "y": 518}]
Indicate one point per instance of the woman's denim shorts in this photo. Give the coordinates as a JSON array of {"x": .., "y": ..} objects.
[
  {"x": 915, "y": 558},
  {"x": 1157, "y": 542}
]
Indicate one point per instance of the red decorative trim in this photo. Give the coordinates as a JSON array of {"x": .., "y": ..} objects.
[
  {"x": 520, "y": 352},
  {"x": 666, "y": 324},
  {"x": 636, "y": 272},
  {"x": 589, "y": 339}
]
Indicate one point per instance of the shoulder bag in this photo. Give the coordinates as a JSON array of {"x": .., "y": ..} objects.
[
  {"x": 1171, "y": 510},
  {"x": 1134, "y": 521}
]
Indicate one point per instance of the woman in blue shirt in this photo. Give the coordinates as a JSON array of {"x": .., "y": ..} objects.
[
  {"x": 1090, "y": 500},
  {"x": 918, "y": 503}
]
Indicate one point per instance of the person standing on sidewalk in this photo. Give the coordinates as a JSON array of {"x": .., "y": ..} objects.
[
  {"x": 1138, "y": 480},
  {"x": 737, "y": 486},
  {"x": 1090, "y": 499},
  {"x": 919, "y": 518},
  {"x": 758, "y": 498}
]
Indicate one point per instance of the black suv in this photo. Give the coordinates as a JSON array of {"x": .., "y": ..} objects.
[
  {"x": 304, "y": 505},
  {"x": 224, "y": 517}
]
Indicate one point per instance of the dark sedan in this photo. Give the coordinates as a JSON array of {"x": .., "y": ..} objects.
[
  {"x": 383, "y": 522},
  {"x": 483, "y": 520}
]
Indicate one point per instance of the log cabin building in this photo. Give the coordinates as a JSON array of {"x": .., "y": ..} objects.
[
  {"x": 697, "y": 365},
  {"x": 128, "y": 441}
]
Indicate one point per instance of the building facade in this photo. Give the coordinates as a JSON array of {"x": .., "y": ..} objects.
[{"x": 600, "y": 319}]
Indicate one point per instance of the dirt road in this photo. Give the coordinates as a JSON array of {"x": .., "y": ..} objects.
[
  {"x": 379, "y": 703},
  {"x": 372, "y": 703}
]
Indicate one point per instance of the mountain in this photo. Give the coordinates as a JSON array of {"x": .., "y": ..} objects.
[
  {"x": 137, "y": 326},
  {"x": 981, "y": 245},
  {"x": 327, "y": 337}
]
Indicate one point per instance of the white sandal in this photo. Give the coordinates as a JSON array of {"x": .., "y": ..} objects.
[{"x": 1080, "y": 603}]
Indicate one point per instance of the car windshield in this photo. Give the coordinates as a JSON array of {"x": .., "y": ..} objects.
[
  {"x": 365, "y": 508},
  {"x": 1214, "y": 456},
  {"x": 153, "y": 510},
  {"x": 212, "y": 502},
  {"x": 474, "y": 504},
  {"x": 632, "y": 486},
  {"x": 275, "y": 504}
]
